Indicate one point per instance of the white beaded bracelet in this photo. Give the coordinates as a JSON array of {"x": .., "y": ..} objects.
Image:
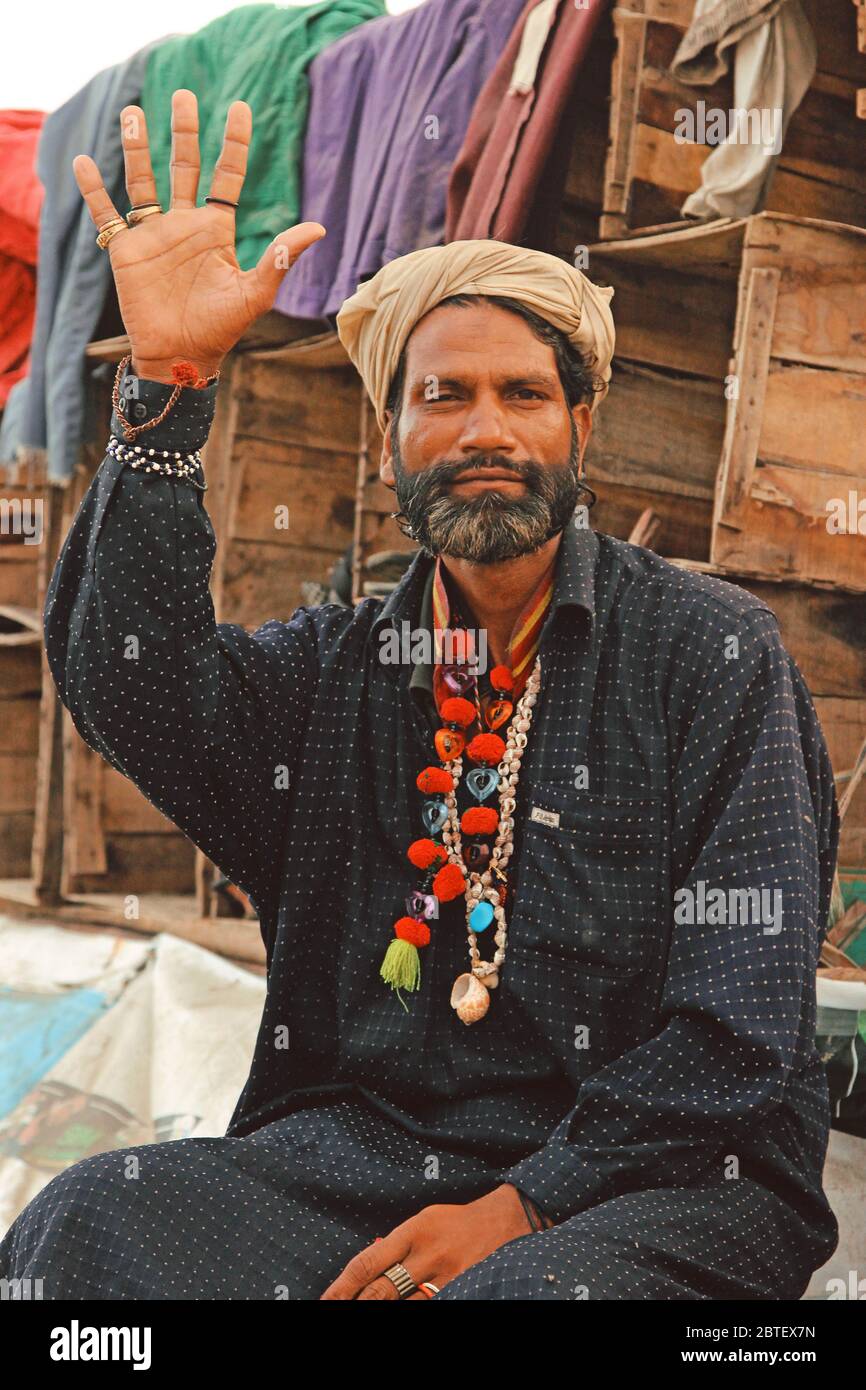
[{"x": 165, "y": 462}]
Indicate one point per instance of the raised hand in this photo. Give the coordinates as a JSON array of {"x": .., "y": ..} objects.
[{"x": 181, "y": 292}]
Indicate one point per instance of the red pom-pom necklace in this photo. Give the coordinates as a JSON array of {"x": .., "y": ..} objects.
[{"x": 480, "y": 877}]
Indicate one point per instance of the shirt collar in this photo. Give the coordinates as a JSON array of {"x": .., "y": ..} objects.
[{"x": 574, "y": 587}]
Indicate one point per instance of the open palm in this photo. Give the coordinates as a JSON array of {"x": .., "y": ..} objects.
[{"x": 181, "y": 291}]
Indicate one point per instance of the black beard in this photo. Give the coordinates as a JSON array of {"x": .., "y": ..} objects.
[{"x": 492, "y": 526}]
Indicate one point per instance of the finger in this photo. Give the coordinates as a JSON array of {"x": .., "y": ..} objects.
[
  {"x": 140, "y": 183},
  {"x": 266, "y": 277},
  {"x": 367, "y": 1265},
  {"x": 231, "y": 167},
  {"x": 185, "y": 161},
  {"x": 92, "y": 189},
  {"x": 384, "y": 1291}
]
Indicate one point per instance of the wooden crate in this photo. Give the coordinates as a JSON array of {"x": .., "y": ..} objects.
[
  {"x": 648, "y": 173},
  {"x": 737, "y": 408}
]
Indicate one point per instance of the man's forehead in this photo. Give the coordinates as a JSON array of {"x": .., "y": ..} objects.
[{"x": 444, "y": 342}]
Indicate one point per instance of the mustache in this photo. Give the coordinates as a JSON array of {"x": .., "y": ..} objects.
[{"x": 439, "y": 475}]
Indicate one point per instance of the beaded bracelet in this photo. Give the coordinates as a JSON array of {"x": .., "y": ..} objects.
[{"x": 164, "y": 462}]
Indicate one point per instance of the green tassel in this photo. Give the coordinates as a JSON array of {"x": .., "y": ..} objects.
[{"x": 401, "y": 968}]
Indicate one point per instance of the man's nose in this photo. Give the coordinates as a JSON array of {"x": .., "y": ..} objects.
[{"x": 486, "y": 429}]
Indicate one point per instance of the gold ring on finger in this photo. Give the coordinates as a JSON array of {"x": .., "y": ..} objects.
[
  {"x": 401, "y": 1279},
  {"x": 138, "y": 214},
  {"x": 117, "y": 224},
  {"x": 433, "y": 1288}
]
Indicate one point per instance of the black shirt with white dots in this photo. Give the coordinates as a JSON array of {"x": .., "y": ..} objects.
[{"x": 675, "y": 837}]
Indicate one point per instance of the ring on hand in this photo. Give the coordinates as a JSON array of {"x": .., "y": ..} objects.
[
  {"x": 401, "y": 1279},
  {"x": 110, "y": 230},
  {"x": 428, "y": 1289},
  {"x": 142, "y": 210}
]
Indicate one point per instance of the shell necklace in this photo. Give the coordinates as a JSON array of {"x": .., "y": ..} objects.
[
  {"x": 470, "y": 995},
  {"x": 447, "y": 875}
]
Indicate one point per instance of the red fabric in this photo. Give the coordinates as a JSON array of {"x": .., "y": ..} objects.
[
  {"x": 20, "y": 205},
  {"x": 506, "y": 155}
]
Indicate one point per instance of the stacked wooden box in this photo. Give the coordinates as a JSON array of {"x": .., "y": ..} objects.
[
  {"x": 737, "y": 412},
  {"x": 630, "y": 171}
]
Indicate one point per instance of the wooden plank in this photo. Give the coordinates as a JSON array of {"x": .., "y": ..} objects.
[
  {"x": 684, "y": 522},
  {"x": 142, "y": 863},
  {"x": 844, "y": 725},
  {"x": 20, "y": 672},
  {"x": 159, "y": 912},
  {"x": 276, "y": 401},
  {"x": 263, "y": 582},
  {"x": 16, "y": 841},
  {"x": 664, "y": 318},
  {"x": 751, "y": 368},
  {"x": 17, "y": 783},
  {"x": 19, "y": 574},
  {"x": 816, "y": 419},
  {"x": 315, "y": 486},
  {"x": 630, "y": 33},
  {"x": 659, "y": 433},
  {"x": 19, "y": 725},
  {"x": 47, "y": 846},
  {"x": 83, "y": 831}
]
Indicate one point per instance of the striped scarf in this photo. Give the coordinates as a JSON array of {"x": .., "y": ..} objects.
[{"x": 525, "y": 637}]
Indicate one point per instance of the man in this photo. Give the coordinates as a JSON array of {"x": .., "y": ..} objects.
[{"x": 619, "y": 1097}]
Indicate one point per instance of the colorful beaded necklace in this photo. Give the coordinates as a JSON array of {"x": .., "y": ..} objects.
[{"x": 447, "y": 873}]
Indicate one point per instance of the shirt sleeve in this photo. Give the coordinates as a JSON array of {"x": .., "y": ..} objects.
[
  {"x": 754, "y": 809},
  {"x": 205, "y": 718}
]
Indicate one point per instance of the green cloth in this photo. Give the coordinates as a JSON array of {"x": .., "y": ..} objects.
[{"x": 258, "y": 54}]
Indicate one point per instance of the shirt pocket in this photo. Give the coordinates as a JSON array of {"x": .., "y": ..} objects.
[{"x": 589, "y": 879}]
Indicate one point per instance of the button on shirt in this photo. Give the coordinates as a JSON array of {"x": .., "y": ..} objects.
[{"x": 675, "y": 837}]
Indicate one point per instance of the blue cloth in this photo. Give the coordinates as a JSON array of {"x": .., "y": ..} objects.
[
  {"x": 37, "y": 1030},
  {"x": 389, "y": 107},
  {"x": 46, "y": 409},
  {"x": 625, "y": 1049}
]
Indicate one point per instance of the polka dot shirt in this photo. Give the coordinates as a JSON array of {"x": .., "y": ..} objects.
[{"x": 675, "y": 837}]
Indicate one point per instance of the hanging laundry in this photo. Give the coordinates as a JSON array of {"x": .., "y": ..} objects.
[
  {"x": 20, "y": 201},
  {"x": 775, "y": 56},
  {"x": 45, "y": 411},
  {"x": 508, "y": 177},
  {"x": 389, "y": 107},
  {"x": 259, "y": 54}
]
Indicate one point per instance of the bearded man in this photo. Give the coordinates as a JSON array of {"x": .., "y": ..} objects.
[{"x": 521, "y": 1039}]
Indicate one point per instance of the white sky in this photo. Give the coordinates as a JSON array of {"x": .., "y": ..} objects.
[{"x": 49, "y": 51}]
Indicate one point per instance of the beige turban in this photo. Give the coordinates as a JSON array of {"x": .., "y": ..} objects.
[{"x": 375, "y": 322}]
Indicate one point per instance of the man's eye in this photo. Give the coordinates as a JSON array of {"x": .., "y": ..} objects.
[{"x": 528, "y": 391}]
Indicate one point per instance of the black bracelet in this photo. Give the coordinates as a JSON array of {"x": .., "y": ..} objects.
[{"x": 530, "y": 1216}]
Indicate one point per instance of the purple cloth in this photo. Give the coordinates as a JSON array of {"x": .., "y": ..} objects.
[{"x": 372, "y": 174}]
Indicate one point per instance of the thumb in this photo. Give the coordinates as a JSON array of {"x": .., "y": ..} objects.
[{"x": 280, "y": 256}]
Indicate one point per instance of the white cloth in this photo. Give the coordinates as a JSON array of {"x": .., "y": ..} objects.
[{"x": 775, "y": 57}]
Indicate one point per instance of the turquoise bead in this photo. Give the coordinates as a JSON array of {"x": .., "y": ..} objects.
[{"x": 481, "y": 916}]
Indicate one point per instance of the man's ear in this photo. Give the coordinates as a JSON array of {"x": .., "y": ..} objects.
[
  {"x": 582, "y": 416},
  {"x": 386, "y": 461}
]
